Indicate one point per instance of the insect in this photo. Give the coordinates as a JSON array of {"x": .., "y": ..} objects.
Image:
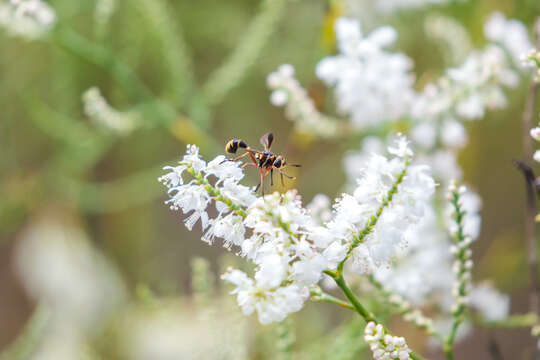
[{"x": 265, "y": 161}]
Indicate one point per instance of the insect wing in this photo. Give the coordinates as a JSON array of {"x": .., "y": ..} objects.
[{"x": 266, "y": 141}]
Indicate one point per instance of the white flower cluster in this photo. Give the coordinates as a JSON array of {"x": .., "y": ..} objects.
[
  {"x": 532, "y": 59},
  {"x": 299, "y": 107},
  {"x": 98, "y": 110},
  {"x": 29, "y": 19},
  {"x": 385, "y": 346},
  {"x": 288, "y": 245},
  {"x": 509, "y": 33},
  {"x": 372, "y": 84},
  {"x": 389, "y": 198},
  {"x": 320, "y": 209},
  {"x": 287, "y": 262},
  {"x": 489, "y": 302},
  {"x": 470, "y": 203},
  {"x": 466, "y": 91},
  {"x": 535, "y": 134},
  {"x": 195, "y": 196},
  {"x": 461, "y": 210},
  {"x": 422, "y": 272}
]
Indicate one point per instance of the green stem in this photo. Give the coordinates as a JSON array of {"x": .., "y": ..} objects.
[
  {"x": 461, "y": 258},
  {"x": 324, "y": 297},
  {"x": 360, "y": 309}
]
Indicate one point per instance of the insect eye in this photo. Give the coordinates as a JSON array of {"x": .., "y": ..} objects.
[{"x": 277, "y": 163}]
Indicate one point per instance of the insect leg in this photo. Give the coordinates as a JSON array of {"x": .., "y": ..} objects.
[
  {"x": 271, "y": 177},
  {"x": 262, "y": 183},
  {"x": 247, "y": 164},
  {"x": 288, "y": 176},
  {"x": 236, "y": 158}
]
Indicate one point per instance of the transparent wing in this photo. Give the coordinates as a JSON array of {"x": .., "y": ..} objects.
[{"x": 266, "y": 141}]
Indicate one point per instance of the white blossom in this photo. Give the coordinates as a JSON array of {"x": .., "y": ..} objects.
[
  {"x": 320, "y": 209},
  {"x": 489, "y": 302},
  {"x": 532, "y": 59},
  {"x": 408, "y": 187},
  {"x": 465, "y": 92},
  {"x": 193, "y": 197},
  {"x": 30, "y": 19},
  {"x": 509, "y": 33},
  {"x": 383, "y": 345},
  {"x": 422, "y": 271},
  {"x": 271, "y": 305},
  {"x": 372, "y": 84}
]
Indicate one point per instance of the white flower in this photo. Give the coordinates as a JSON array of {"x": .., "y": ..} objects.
[
  {"x": 335, "y": 253},
  {"x": 511, "y": 34},
  {"x": 193, "y": 159},
  {"x": 535, "y": 133},
  {"x": 190, "y": 198},
  {"x": 401, "y": 148},
  {"x": 271, "y": 305},
  {"x": 443, "y": 164},
  {"x": 424, "y": 134},
  {"x": 223, "y": 169},
  {"x": 471, "y": 204},
  {"x": 29, "y": 19},
  {"x": 372, "y": 84},
  {"x": 492, "y": 304},
  {"x": 320, "y": 209},
  {"x": 422, "y": 271},
  {"x": 453, "y": 134},
  {"x": 231, "y": 229},
  {"x": 272, "y": 270},
  {"x": 173, "y": 178},
  {"x": 469, "y": 89},
  {"x": 385, "y": 346}
]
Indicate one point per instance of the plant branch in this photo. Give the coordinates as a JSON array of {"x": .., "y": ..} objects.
[
  {"x": 462, "y": 266},
  {"x": 530, "y": 210},
  {"x": 358, "y": 307}
]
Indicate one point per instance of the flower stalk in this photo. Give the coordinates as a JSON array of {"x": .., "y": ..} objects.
[{"x": 462, "y": 266}]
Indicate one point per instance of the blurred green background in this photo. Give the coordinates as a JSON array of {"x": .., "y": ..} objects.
[{"x": 164, "y": 61}]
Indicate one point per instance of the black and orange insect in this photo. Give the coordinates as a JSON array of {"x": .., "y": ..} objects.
[{"x": 265, "y": 161}]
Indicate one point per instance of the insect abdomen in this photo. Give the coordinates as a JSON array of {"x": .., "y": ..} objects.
[{"x": 233, "y": 145}]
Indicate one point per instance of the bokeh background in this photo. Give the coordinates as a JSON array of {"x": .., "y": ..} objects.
[{"x": 82, "y": 219}]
